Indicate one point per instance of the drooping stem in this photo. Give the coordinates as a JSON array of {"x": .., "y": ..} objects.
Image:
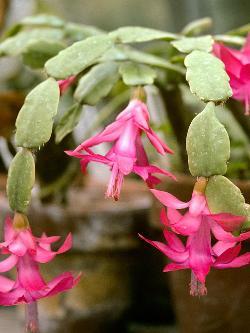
[{"x": 31, "y": 318}]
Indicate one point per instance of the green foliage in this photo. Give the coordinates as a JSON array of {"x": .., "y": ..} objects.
[
  {"x": 35, "y": 119},
  {"x": 140, "y": 34},
  {"x": 38, "y": 52},
  {"x": 196, "y": 27},
  {"x": 223, "y": 196},
  {"x": 208, "y": 145},
  {"x": 78, "y": 56},
  {"x": 15, "y": 45},
  {"x": 188, "y": 44},
  {"x": 97, "y": 83},
  {"x": 78, "y": 32},
  {"x": 232, "y": 40},
  {"x": 207, "y": 77},
  {"x": 21, "y": 178},
  {"x": 43, "y": 20},
  {"x": 134, "y": 74},
  {"x": 68, "y": 122}
]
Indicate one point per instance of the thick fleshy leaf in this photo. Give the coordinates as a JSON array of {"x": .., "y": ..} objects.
[
  {"x": 223, "y": 196},
  {"x": 208, "y": 145},
  {"x": 21, "y": 178},
  {"x": 207, "y": 77},
  {"x": 197, "y": 27},
  {"x": 134, "y": 74},
  {"x": 188, "y": 44},
  {"x": 68, "y": 122},
  {"x": 122, "y": 53},
  {"x": 35, "y": 119},
  {"x": 43, "y": 20},
  {"x": 231, "y": 40},
  {"x": 80, "y": 55},
  {"x": 140, "y": 34},
  {"x": 37, "y": 52},
  {"x": 77, "y": 32},
  {"x": 16, "y": 44},
  {"x": 97, "y": 83}
]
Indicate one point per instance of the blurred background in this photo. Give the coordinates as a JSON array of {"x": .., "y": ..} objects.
[{"x": 123, "y": 289}]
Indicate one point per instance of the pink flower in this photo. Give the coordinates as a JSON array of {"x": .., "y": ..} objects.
[
  {"x": 26, "y": 252},
  {"x": 127, "y": 153},
  {"x": 237, "y": 64},
  {"x": 65, "y": 84},
  {"x": 197, "y": 223}
]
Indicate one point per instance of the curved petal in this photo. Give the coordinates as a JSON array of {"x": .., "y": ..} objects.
[
  {"x": 29, "y": 275},
  {"x": 237, "y": 262},
  {"x": 159, "y": 145},
  {"x": 220, "y": 247},
  {"x": 228, "y": 221},
  {"x": 169, "y": 200},
  {"x": 170, "y": 253},
  {"x": 13, "y": 297},
  {"x": 197, "y": 204},
  {"x": 9, "y": 232},
  {"x": 61, "y": 283},
  {"x": 173, "y": 216},
  {"x": 66, "y": 245},
  {"x": 43, "y": 256},
  {"x": 174, "y": 267},
  {"x": 18, "y": 247},
  {"x": 227, "y": 256},
  {"x": 187, "y": 225},
  {"x": 222, "y": 235},
  {"x": 7, "y": 264},
  {"x": 6, "y": 284},
  {"x": 173, "y": 241}
]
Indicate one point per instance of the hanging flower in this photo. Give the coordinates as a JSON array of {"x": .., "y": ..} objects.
[
  {"x": 65, "y": 84},
  {"x": 198, "y": 254},
  {"x": 127, "y": 153},
  {"x": 237, "y": 64},
  {"x": 26, "y": 252}
]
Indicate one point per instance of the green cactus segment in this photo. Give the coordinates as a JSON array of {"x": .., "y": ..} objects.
[
  {"x": 188, "y": 44},
  {"x": 80, "y": 55},
  {"x": 35, "y": 119},
  {"x": 97, "y": 83},
  {"x": 208, "y": 145},
  {"x": 223, "y": 196},
  {"x": 139, "y": 35},
  {"x": 207, "y": 77},
  {"x": 21, "y": 178},
  {"x": 137, "y": 74}
]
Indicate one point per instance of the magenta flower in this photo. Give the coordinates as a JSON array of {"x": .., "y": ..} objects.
[
  {"x": 65, "y": 84},
  {"x": 127, "y": 153},
  {"x": 26, "y": 252},
  {"x": 237, "y": 64},
  {"x": 198, "y": 254}
]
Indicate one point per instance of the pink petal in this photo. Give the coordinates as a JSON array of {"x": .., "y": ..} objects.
[
  {"x": 9, "y": 232},
  {"x": 29, "y": 275},
  {"x": 8, "y": 264},
  {"x": 164, "y": 217},
  {"x": 245, "y": 72},
  {"x": 197, "y": 204},
  {"x": 173, "y": 216},
  {"x": 43, "y": 256},
  {"x": 61, "y": 283},
  {"x": 173, "y": 241},
  {"x": 6, "y": 284},
  {"x": 47, "y": 239},
  {"x": 246, "y": 47},
  {"x": 228, "y": 255},
  {"x": 237, "y": 262},
  {"x": 228, "y": 221},
  {"x": 66, "y": 245},
  {"x": 175, "y": 267},
  {"x": 222, "y": 235},
  {"x": 221, "y": 247},
  {"x": 187, "y": 225},
  {"x": 200, "y": 259},
  {"x": 18, "y": 247},
  {"x": 169, "y": 200},
  {"x": 12, "y": 297},
  {"x": 232, "y": 64},
  {"x": 167, "y": 251},
  {"x": 159, "y": 145}
]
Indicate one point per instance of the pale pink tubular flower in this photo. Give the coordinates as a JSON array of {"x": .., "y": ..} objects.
[
  {"x": 198, "y": 224},
  {"x": 26, "y": 252},
  {"x": 65, "y": 84},
  {"x": 127, "y": 153},
  {"x": 237, "y": 65}
]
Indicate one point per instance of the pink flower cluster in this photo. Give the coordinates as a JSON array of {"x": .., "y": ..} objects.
[
  {"x": 127, "y": 153},
  {"x": 26, "y": 252},
  {"x": 237, "y": 64},
  {"x": 198, "y": 225}
]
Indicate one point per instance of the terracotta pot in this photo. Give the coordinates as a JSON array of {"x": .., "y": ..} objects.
[
  {"x": 226, "y": 307},
  {"x": 105, "y": 249}
]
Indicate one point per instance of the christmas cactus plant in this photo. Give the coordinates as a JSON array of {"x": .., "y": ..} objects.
[{"x": 97, "y": 67}]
